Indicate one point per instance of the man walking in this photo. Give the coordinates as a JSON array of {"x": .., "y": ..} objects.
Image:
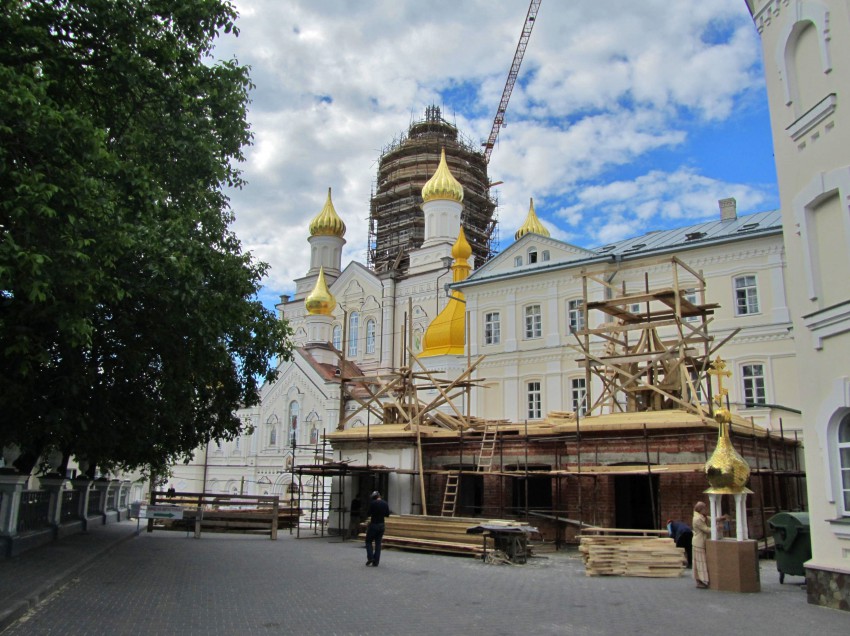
[{"x": 378, "y": 512}]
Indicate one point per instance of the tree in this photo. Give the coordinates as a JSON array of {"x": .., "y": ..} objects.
[{"x": 130, "y": 328}]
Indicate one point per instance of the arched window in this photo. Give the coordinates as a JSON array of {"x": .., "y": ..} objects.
[
  {"x": 271, "y": 425},
  {"x": 844, "y": 463},
  {"x": 370, "y": 336},
  {"x": 337, "y": 337},
  {"x": 353, "y": 326},
  {"x": 532, "y": 255},
  {"x": 294, "y": 409}
]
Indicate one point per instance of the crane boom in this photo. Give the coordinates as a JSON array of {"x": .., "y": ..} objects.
[{"x": 530, "y": 18}]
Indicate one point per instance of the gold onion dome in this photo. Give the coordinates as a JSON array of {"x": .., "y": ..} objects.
[
  {"x": 532, "y": 224},
  {"x": 727, "y": 472},
  {"x": 447, "y": 333},
  {"x": 461, "y": 250},
  {"x": 327, "y": 222},
  {"x": 320, "y": 302},
  {"x": 442, "y": 185}
]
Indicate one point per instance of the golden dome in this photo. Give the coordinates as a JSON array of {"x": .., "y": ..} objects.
[
  {"x": 447, "y": 333},
  {"x": 320, "y": 302},
  {"x": 726, "y": 470},
  {"x": 327, "y": 222},
  {"x": 442, "y": 185},
  {"x": 461, "y": 250},
  {"x": 532, "y": 224}
]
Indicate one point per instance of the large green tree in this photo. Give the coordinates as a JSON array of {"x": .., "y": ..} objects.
[{"x": 130, "y": 328}]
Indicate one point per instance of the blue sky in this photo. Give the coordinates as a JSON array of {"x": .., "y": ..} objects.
[{"x": 627, "y": 116}]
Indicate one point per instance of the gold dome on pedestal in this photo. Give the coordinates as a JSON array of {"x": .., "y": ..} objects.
[{"x": 727, "y": 472}]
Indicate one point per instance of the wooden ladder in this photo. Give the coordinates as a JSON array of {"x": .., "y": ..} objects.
[
  {"x": 450, "y": 497},
  {"x": 488, "y": 449}
]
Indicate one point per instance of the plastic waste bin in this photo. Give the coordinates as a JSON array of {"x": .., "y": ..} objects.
[{"x": 793, "y": 541}]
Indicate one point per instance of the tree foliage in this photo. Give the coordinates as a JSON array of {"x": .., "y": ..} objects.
[{"x": 130, "y": 328}]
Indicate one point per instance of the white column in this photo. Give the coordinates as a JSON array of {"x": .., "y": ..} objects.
[{"x": 715, "y": 509}]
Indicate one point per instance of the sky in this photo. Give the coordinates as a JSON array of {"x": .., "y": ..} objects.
[{"x": 626, "y": 117}]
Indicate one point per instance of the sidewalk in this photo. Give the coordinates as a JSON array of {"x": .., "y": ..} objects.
[{"x": 27, "y": 579}]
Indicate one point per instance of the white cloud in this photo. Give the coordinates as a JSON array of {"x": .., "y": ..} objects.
[{"x": 604, "y": 86}]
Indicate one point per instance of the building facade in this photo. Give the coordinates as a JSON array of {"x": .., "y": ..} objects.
[{"x": 806, "y": 47}]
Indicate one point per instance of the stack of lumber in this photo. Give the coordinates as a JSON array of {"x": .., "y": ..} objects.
[
  {"x": 446, "y": 535},
  {"x": 241, "y": 521},
  {"x": 631, "y": 556},
  {"x": 560, "y": 417}
]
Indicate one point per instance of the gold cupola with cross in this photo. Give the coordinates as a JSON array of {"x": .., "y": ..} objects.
[{"x": 727, "y": 472}]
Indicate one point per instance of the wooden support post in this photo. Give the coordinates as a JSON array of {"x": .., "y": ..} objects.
[{"x": 275, "y": 513}]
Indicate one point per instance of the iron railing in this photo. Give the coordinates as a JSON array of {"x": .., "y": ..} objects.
[
  {"x": 34, "y": 512},
  {"x": 70, "y": 505}
]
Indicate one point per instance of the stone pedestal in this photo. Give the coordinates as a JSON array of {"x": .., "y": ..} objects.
[
  {"x": 54, "y": 485},
  {"x": 733, "y": 566},
  {"x": 11, "y": 487}
]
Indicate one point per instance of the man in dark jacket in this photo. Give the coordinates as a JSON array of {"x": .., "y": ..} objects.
[
  {"x": 682, "y": 534},
  {"x": 378, "y": 512}
]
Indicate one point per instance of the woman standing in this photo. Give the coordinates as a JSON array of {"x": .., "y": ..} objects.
[{"x": 702, "y": 531}]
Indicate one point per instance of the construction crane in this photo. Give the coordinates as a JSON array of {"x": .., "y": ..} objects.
[{"x": 530, "y": 18}]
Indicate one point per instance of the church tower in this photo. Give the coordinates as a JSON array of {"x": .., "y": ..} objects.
[
  {"x": 396, "y": 220},
  {"x": 327, "y": 232}
]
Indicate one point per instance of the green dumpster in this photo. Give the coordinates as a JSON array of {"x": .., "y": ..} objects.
[{"x": 793, "y": 542}]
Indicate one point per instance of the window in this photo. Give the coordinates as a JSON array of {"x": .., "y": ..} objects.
[
  {"x": 353, "y": 325},
  {"x": 545, "y": 255},
  {"x": 746, "y": 296},
  {"x": 691, "y": 296},
  {"x": 575, "y": 314},
  {"x": 532, "y": 256},
  {"x": 370, "y": 336},
  {"x": 492, "y": 328},
  {"x": 294, "y": 409},
  {"x": 753, "y": 376},
  {"x": 578, "y": 395},
  {"x": 337, "y": 338},
  {"x": 534, "y": 407},
  {"x": 533, "y": 322},
  {"x": 844, "y": 462},
  {"x": 272, "y": 424},
  {"x": 518, "y": 261}
]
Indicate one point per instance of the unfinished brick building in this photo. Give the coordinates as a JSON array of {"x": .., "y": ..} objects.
[{"x": 636, "y": 460}]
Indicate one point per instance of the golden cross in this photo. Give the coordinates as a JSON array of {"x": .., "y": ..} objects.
[{"x": 718, "y": 369}]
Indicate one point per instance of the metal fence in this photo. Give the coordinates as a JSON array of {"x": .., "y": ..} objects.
[
  {"x": 34, "y": 513},
  {"x": 94, "y": 503},
  {"x": 110, "y": 499},
  {"x": 70, "y": 505}
]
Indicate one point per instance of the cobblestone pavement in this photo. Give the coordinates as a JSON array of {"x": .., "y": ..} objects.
[{"x": 168, "y": 583}]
